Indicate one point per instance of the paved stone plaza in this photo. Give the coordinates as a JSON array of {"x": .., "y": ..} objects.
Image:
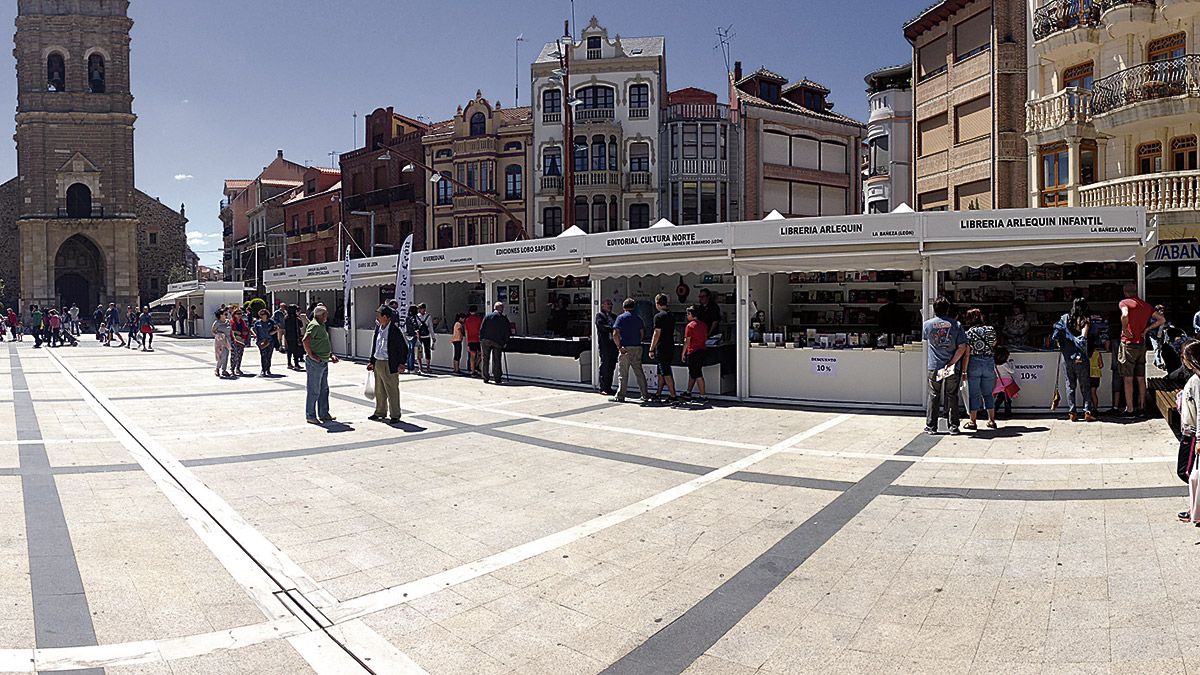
[{"x": 156, "y": 519}]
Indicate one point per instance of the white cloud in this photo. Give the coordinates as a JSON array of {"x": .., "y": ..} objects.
[{"x": 184, "y": 176}]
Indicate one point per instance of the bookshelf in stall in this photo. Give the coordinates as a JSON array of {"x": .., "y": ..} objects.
[
  {"x": 840, "y": 310},
  {"x": 578, "y": 291},
  {"x": 1047, "y": 290},
  {"x": 686, "y": 292}
]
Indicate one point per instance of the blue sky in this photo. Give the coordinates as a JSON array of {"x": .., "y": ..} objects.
[{"x": 219, "y": 85}]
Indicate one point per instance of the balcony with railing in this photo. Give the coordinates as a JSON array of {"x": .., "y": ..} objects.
[
  {"x": 1170, "y": 87},
  {"x": 552, "y": 117},
  {"x": 698, "y": 167},
  {"x": 1177, "y": 10},
  {"x": 638, "y": 181},
  {"x": 1156, "y": 192},
  {"x": 593, "y": 114},
  {"x": 586, "y": 178},
  {"x": 464, "y": 146},
  {"x": 552, "y": 184},
  {"x": 1123, "y": 18},
  {"x": 378, "y": 198},
  {"x": 689, "y": 112},
  {"x": 1072, "y": 105},
  {"x": 1062, "y": 26},
  {"x": 639, "y": 113},
  {"x": 94, "y": 212}
]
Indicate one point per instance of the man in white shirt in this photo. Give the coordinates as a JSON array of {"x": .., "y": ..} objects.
[{"x": 389, "y": 353}]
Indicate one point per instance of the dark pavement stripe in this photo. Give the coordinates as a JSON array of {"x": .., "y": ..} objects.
[
  {"x": 674, "y": 648},
  {"x": 61, "y": 617},
  {"x": 1080, "y": 494}
]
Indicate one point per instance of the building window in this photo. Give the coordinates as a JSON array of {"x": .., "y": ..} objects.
[
  {"x": 599, "y": 154},
  {"x": 599, "y": 214},
  {"x": 310, "y": 219},
  {"x": 445, "y": 190},
  {"x": 445, "y": 235},
  {"x": 295, "y": 223},
  {"x": 1087, "y": 162},
  {"x": 472, "y": 170},
  {"x": 973, "y": 119},
  {"x": 380, "y": 178},
  {"x": 56, "y": 72},
  {"x": 931, "y": 59},
  {"x": 310, "y": 187},
  {"x": 312, "y": 256},
  {"x": 552, "y": 221},
  {"x": 708, "y": 202},
  {"x": 356, "y": 184},
  {"x": 674, "y": 142},
  {"x": 639, "y": 216},
  {"x": 552, "y": 161},
  {"x": 581, "y": 154},
  {"x": 708, "y": 141},
  {"x": 485, "y": 176},
  {"x": 613, "y": 214},
  {"x": 878, "y": 206},
  {"x": 691, "y": 203},
  {"x": 512, "y": 181},
  {"x": 154, "y": 283},
  {"x": 879, "y": 156},
  {"x": 1149, "y": 156},
  {"x": 330, "y": 255},
  {"x": 691, "y": 141},
  {"x": 444, "y": 152},
  {"x": 973, "y": 196},
  {"x": 612, "y": 153},
  {"x": 1081, "y": 76},
  {"x": 478, "y": 124},
  {"x": 96, "y": 74},
  {"x": 1056, "y": 175},
  {"x": 596, "y": 96},
  {"x": 581, "y": 213},
  {"x": 79, "y": 201},
  {"x": 934, "y": 200},
  {"x": 593, "y": 48},
  {"x": 1166, "y": 48},
  {"x": 512, "y": 145},
  {"x": 551, "y": 101},
  {"x": 1183, "y": 153},
  {"x": 932, "y": 135},
  {"x": 639, "y": 157},
  {"x": 381, "y": 235},
  {"x": 639, "y": 96},
  {"x": 768, "y": 91},
  {"x": 327, "y": 215},
  {"x": 153, "y": 238},
  {"x": 973, "y": 35}
]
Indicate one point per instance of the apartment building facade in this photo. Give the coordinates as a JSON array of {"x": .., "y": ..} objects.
[
  {"x": 381, "y": 185},
  {"x": 243, "y": 234},
  {"x": 969, "y": 149},
  {"x": 617, "y": 89},
  {"x": 887, "y": 181},
  {"x": 311, "y": 217},
  {"x": 799, "y": 157},
  {"x": 701, "y": 148},
  {"x": 1114, "y": 108},
  {"x": 485, "y": 147}
]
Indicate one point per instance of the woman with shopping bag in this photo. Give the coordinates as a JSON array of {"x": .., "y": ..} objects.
[{"x": 389, "y": 355}]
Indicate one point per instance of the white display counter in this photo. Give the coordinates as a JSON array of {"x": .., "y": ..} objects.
[
  {"x": 544, "y": 368},
  {"x": 890, "y": 377},
  {"x": 1035, "y": 374}
]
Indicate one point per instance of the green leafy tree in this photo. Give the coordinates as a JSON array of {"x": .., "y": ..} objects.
[{"x": 253, "y": 305}]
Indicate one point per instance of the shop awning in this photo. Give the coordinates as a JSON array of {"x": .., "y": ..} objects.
[
  {"x": 172, "y": 297},
  {"x": 1046, "y": 253},
  {"x": 828, "y": 261},
  {"x": 331, "y": 282},
  {"x": 652, "y": 266},
  {"x": 422, "y": 278},
  {"x": 565, "y": 268}
]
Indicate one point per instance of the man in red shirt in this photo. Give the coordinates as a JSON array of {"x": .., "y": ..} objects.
[
  {"x": 471, "y": 327},
  {"x": 1137, "y": 317}
]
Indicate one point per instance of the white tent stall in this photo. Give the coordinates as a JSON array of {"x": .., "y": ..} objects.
[{"x": 206, "y": 296}]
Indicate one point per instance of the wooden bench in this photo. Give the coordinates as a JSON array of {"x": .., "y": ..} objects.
[{"x": 1165, "y": 393}]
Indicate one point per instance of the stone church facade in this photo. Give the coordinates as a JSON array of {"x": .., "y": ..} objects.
[{"x": 73, "y": 228}]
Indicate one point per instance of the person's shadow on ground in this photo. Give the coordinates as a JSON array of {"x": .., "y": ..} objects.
[
  {"x": 406, "y": 427},
  {"x": 1009, "y": 431},
  {"x": 336, "y": 427}
]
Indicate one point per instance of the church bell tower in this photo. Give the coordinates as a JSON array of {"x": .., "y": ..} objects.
[{"x": 76, "y": 211}]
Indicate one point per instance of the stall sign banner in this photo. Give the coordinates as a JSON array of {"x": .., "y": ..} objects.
[
  {"x": 190, "y": 285},
  {"x": 881, "y": 228},
  {"x": 302, "y": 272},
  {"x": 1015, "y": 224},
  {"x": 1027, "y": 373},
  {"x": 404, "y": 283},
  {"x": 1178, "y": 251},
  {"x": 825, "y": 366},
  {"x": 665, "y": 240},
  {"x": 538, "y": 249},
  {"x": 346, "y": 293},
  {"x": 444, "y": 257}
]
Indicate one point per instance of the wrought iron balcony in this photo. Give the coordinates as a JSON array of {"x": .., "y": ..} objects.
[
  {"x": 1146, "y": 82},
  {"x": 1061, "y": 15},
  {"x": 1072, "y": 105},
  {"x": 699, "y": 167},
  {"x": 593, "y": 114}
]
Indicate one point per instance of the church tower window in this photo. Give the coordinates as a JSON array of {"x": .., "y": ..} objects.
[
  {"x": 96, "y": 73},
  {"x": 56, "y": 72}
]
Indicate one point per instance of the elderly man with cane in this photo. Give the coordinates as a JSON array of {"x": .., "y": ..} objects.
[{"x": 389, "y": 354}]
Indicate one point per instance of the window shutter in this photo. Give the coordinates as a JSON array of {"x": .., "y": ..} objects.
[
  {"x": 806, "y": 199},
  {"x": 775, "y": 149},
  {"x": 973, "y": 119},
  {"x": 969, "y": 193},
  {"x": 932, "y": 57},
  {"x": 973, "y": 34},
  {"x": 775, "y": 196},
  {"x": 833, "y": 201},
  {"x": 806, "y": 153},
  {"x": 933, "y": 135},
  {"x": 935, "y": 199}
]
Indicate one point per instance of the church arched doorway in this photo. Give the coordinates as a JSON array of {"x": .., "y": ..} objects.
[
  {"x": 79, "y": 201},
  {"x": 79, "y": 274}
]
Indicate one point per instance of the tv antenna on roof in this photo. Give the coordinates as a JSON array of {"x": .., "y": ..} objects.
[{"x": 724, "y": 37}]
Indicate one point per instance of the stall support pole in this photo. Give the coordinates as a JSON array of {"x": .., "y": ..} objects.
[
  {"x": 742, "y": 328},
  {"x": 489, "y": 296},
  {"x": 1141, "y": 272},
  {"x": 595, "y": 334},
  {"x": 350, "y": 332}
]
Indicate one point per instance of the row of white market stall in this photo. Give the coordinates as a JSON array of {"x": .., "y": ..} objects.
[
  {"x": 204, "y": 297},
  {"x": 813, "y": 310}
]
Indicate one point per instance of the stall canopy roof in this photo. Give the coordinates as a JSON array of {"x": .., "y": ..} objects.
[
  {"x": 953, "y": 257},
  {"x": 652, "y": 266},
  {"x": 172, "y": 297}
]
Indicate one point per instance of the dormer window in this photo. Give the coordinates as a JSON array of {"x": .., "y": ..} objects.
[
  {"x": 814, "y": 101},
  {"x": 478, "y": 124},
  {"x": 593, "y": 47},
  {"x": 768, "y": 91},
  {"x": 56, "y": 73},
  {"x": 96, "y": 74}
]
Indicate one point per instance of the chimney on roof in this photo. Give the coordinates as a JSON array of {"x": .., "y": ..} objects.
[
  {"x": 737, "y": 71},
  {"x": 279, "y": 154}
]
